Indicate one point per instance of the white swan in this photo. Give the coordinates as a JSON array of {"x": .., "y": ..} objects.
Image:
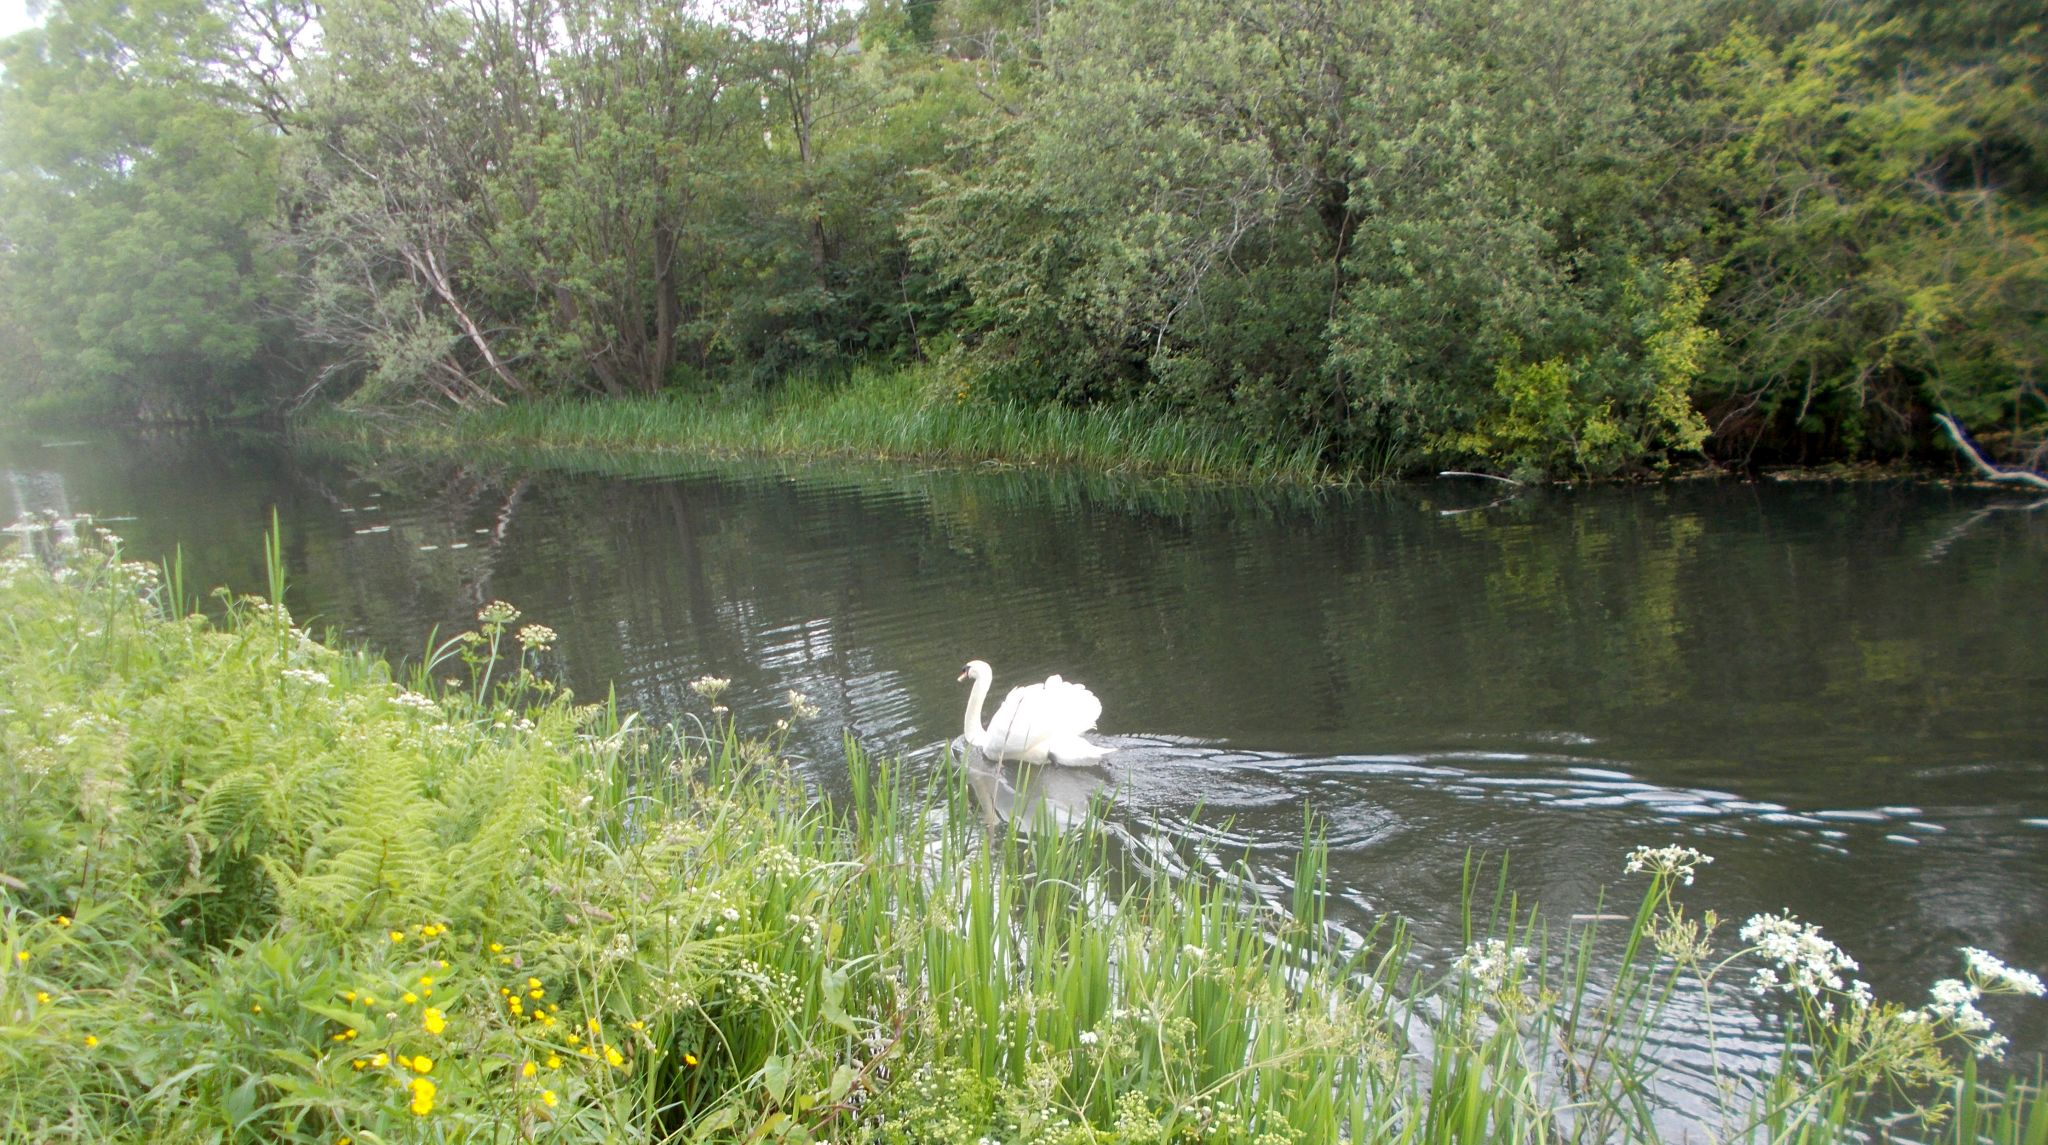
[{"x": 1037, "y": 722}]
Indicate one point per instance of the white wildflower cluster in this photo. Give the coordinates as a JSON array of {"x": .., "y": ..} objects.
[
  {"x": 1995, "y": 977},
  {"x": 1674, "y": 862},
  {"x": 1088, "y": 1037},
  {"x": 710, "y": 687},
  {"x": 1955, "y": 999},
  {"x": 751, "y": 982},
  {"x": 311, "y": 677},
  {"x": 497, "y": 613},
  {"x": 781, "y": 862},
  {"x": 801, "y": 707},
  {"x": 536, "y": 637},
  {"x": 808, "y": 928},
  {"x": 1493, "y": 963},
  {"x": 1807, "y": 962},
  {"x": 407, "y": 698}
]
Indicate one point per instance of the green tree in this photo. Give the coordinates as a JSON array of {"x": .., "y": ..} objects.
[
  {"x": 1336, "y": 221},
  {"x": 1882, "y": 220},
  {"x": 136, "y": 190}
]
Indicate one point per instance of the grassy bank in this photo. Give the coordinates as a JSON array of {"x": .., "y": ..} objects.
[
  {"x": 895, "y": 415},
  {"x": 258, "y": 889}
]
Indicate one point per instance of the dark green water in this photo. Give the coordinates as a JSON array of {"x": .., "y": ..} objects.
[{"x": 1841, "y": 692}]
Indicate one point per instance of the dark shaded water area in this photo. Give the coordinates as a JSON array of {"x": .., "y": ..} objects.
[{"x": 1839, "y": 691}]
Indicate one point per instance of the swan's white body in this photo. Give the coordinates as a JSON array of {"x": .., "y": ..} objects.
[{"x": 1038, "y": 723}]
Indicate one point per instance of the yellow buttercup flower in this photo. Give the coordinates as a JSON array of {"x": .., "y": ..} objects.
[
  {"x": 690, "y": 1059},
  {"x": 422, "y": 1096},
  {"x": 613, "y": 1058},
  {"x": 496, "y": 949},
  {"x": 348, "y": 995},
  {"x": 432, "y": 1021},
  {"x": 528, "y": 1070},
  {"x": 398, "y": 936},
  {"x": 64, "y": 921},
  {"x": 379, "y": 1061},
  {"x": 420, "y": 1063},
  {"x": 91, "y": 1042},
  {"x": 554, "y": 1061},
  {"x": 21, "y": 956},
  {"x": 43, "y": 997},
  {"x": 409, "y": 998},
  {"x": 547, "y": 1098}
]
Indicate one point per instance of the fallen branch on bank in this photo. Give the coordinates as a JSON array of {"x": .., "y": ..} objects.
[{"x": 1991, "y": 472}]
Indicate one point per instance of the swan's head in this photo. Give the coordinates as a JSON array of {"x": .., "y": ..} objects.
[{"x": 977, "y": 670}]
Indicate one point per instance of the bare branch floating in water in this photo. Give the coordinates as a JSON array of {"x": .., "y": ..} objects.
[{"x": 1991, "y": 472}]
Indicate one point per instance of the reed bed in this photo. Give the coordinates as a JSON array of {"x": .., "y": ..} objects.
[
  {"x": 876, "y": 414},
  {"x": 260, "y": 888}
]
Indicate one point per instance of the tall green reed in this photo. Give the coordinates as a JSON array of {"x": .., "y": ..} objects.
[{"x": 869, "y": 414}]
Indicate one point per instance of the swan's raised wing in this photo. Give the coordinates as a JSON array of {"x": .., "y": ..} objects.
[{"x": 1034, "y": 714}]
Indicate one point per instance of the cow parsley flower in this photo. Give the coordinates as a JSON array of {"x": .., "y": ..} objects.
[
  {"x": 1492, "y": 963},
  {"x": 1674, "y": 861},
  {"x": 1993, "y": 974},
  {"x": 1809, "y": 962},
  {"x": 710, "y": 687},
  {"x": 536, "y": 637}
]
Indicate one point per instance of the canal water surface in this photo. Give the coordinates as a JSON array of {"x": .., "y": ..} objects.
[{"x": 1839, "y": 691}]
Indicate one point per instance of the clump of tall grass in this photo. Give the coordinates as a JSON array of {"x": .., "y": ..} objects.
[
  {"x": 895, "y": 415},
  {"x": 260, "y": 888}
]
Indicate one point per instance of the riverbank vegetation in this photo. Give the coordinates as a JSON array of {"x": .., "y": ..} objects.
[
  {"x": 1535, "y": 237},
  {"x": 256, "y": 887},
  {"x": 873, "y": 414}
]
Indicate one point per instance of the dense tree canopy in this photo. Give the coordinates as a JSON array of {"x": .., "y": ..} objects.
[{"x": 1546, "y": 236}]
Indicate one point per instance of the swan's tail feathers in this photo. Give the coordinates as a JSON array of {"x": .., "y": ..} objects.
[
  {"x": 1036, "y": 715},
  {"x": 1075, "y": 751}
]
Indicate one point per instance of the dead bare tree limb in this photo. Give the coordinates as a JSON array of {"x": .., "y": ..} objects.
[{"x": 1991, "y": 472}]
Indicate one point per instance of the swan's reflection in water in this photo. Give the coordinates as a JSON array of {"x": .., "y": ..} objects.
[{"x": 1008, "y": 791}]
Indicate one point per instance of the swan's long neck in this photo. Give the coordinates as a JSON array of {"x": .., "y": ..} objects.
[{"x": 970, "y": 723}]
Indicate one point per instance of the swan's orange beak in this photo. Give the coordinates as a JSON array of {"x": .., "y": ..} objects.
[{"x": 964, "y": 673}]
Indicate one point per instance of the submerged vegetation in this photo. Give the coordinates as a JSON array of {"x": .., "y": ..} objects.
[
  {"x": 256, "y": 887},
  {"x": 1529, "y": 236}
]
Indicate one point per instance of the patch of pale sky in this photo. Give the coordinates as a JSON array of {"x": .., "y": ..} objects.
[{"x": 14, "y": 16}]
